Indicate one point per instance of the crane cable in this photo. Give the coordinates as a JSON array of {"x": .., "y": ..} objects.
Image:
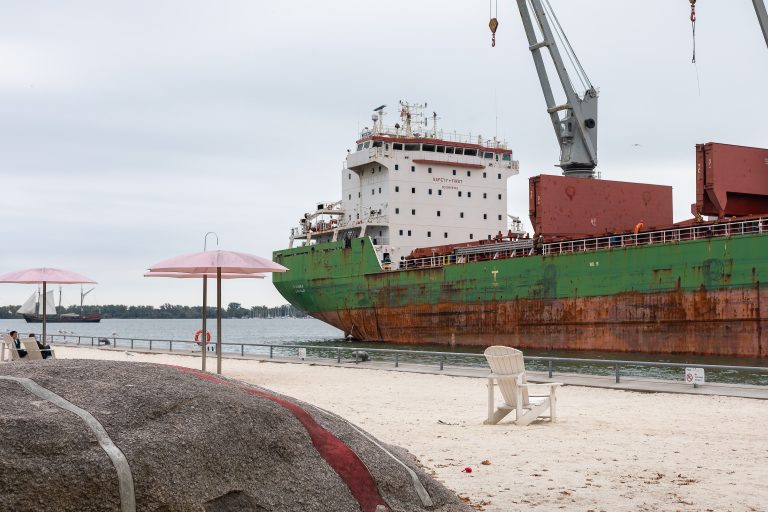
[
  {"x": 494, "y": 23},
  {"x": 693, "y": 28}
]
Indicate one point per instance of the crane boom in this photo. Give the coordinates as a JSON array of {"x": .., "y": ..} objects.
[
  {"x": 575, "y": 121},
  {"x": 762, "y": 17}
]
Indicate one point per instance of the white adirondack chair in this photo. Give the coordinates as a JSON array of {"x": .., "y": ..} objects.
[
  {"x": 508, "y": 370},
  {"x": 5, "y": 345},
  {"x": 33, "y": 351}
]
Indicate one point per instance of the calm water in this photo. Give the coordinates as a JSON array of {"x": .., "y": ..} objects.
[{"x": 292, "y": 331}]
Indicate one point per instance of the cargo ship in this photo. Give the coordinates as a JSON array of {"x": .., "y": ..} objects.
[{"x": 420, "y": 248}]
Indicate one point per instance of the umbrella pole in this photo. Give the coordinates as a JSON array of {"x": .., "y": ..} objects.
[
  {"x": 218, "y": 320},
  {"x": 204, "y": 334},
  {"x": 45, "y": 307}
]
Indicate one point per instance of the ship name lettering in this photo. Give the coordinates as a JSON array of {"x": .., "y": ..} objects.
[{"x": 448, "y": 180}]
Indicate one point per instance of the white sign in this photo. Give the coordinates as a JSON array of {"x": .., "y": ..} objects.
[
  {"x": 303, "y": 354},
  {"x": 694, "y": 376}
]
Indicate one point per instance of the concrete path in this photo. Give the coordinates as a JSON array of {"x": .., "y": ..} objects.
[{"x": 598, "y": 381}]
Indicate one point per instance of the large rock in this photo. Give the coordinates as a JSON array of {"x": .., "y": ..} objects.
[{"x": 192, "y": 443}]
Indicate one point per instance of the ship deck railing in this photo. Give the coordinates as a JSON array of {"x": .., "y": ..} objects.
[
  {"x": 434, "y": 360},
  {"x": 503, "y": 250}
]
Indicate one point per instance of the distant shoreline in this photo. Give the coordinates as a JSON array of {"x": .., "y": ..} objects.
[{"x": 169, "y": 312}]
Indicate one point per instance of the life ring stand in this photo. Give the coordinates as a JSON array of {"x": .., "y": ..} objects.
[{"x": 197, "y": 336}]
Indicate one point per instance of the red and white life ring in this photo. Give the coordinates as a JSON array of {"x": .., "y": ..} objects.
[{"x": 197, "y": 336}]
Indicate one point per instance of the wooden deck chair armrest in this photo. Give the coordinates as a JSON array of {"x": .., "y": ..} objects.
[
  {"x": 517, "y": 377},
  {"x": 551, "y": 385}
]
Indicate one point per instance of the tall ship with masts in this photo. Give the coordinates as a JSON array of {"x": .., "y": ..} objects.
[
  {"x": 420, "y": 248},
  {"x": 31, "y": 310}
]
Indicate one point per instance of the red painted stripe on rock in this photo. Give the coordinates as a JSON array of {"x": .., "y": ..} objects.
[{"x": 336, "y": 453}]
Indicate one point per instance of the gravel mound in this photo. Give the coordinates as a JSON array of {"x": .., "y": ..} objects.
[{"x": 193, "y": 444}]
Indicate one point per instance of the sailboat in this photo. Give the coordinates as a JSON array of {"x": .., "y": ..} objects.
[{"x": 30, "y": 310}]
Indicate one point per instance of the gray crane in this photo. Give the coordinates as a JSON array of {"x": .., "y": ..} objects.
[{"x": 575, "y": 121}]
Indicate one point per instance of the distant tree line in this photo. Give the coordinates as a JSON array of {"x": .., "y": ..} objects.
[{"x": 233, "y": 310}]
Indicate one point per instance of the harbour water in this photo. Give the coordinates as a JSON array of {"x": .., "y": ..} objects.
[{"x": 293, "y": 331}]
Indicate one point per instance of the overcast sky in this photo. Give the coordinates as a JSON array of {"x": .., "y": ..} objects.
[{"x": 129, "y": 129}]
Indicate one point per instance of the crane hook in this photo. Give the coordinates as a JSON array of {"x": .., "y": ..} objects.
[
  {"x": 693, "y": 28},
  {"x": 493, "y": 25}
]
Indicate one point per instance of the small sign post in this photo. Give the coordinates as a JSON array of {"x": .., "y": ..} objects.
[
  {"x": 302, "y": 353},
  {"x": 694, "y": 376}
]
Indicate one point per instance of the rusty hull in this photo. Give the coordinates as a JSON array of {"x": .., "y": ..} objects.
[{"x": 661, "y": 322}]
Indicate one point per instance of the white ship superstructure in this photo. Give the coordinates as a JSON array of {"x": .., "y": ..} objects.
[{"x": 411, "y": 185}]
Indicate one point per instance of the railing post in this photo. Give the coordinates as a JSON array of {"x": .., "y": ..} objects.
[
  {"x": 242, "y": 350},
  {"x": 550, "y": 369},
  {"x": 338, "y": 355},
  {"x": 618, "y": 377},
  {"x": 397, "y": 360},
  {"x": 170, "y": 345},
  {"x": 150, "y": 344},
  {"x": 271, "y": 351},
  {"x": 442, "y": 363},
  {"x": 131, "y": 343},
  {"x": 91, "y": 341}
]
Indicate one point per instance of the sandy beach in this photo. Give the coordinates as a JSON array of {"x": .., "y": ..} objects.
[{"x": 610, "y": 450}]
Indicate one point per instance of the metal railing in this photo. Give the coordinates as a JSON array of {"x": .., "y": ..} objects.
[
  {"x": 396, "y": 357},
  {"x": 667, "y": 236},
  {"x": 494, "y": 251}
]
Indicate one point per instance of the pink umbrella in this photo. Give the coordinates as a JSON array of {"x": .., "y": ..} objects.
[
  {"x": 45, "y": 276},
  {"x": 220, "y": 263},
  {"x": 212, "y": 275},
  {"x": 204, "y": 277}
]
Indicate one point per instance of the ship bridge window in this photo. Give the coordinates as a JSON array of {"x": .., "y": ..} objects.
[
  {"x": 359, "y": 147},
  {"x": 440, "y": 149},
  {"x": 459, "y": 151},
  {"x": 428, "y": 147},
  {"x": 449, "y": 150},
  {"x": 377, "y": 143},
  {"x": 397, "y": 145},
  {"x": 506, "y": 157},
  {"x": 411, "y": 147},
  {"x": 367, "y": 144},
  {"x": 488, "y": 154},
  {"x": 470, "y": 152}
]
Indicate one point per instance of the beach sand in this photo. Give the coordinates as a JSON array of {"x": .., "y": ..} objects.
[{"x": 610, "y": 450}]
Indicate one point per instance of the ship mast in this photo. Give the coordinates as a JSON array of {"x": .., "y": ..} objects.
[{"x": 82, "y": 296}]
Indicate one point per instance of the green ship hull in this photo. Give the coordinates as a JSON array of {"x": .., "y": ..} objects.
[{"x": 700, "y": 296}]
